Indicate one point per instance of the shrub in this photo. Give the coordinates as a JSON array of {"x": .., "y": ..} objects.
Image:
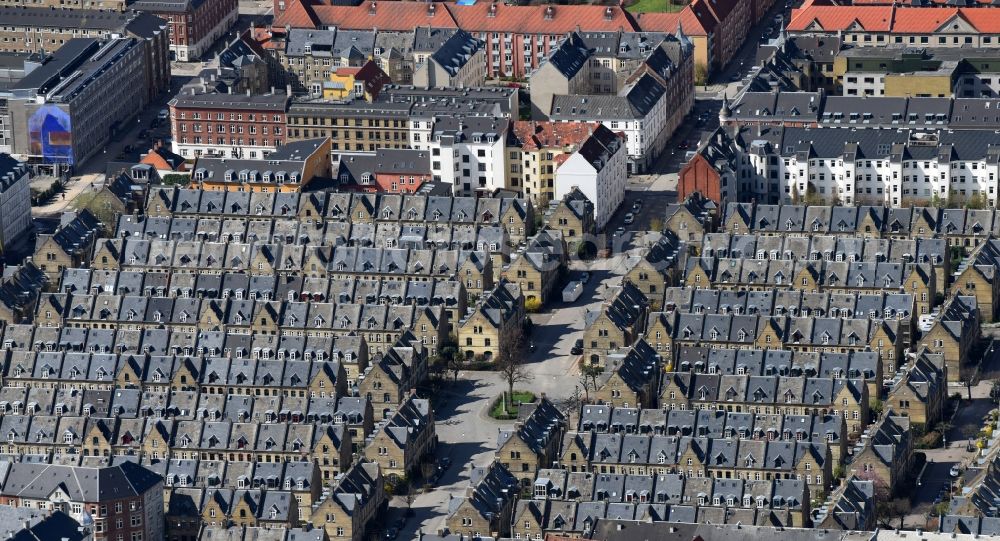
[
  {"x": 532, "y": 305},
  {"x": 929, "y": 440}
]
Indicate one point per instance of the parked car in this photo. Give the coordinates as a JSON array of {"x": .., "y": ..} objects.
[
  {"x": 585, "y": 277},
  {"x": 629, "y": 218},
  {"x": 955, "y": 471},
  {"x": 620, "y": 231},
  {"x": 443, "y": 464},
  {"x": 163, "y": 114},
  {"x": 577, "y": 348},
  {"x": 391, "y": 534}
]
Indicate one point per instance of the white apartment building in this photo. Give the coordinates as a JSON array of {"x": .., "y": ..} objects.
[
  {"x": 639, "y": 111},
  {"x": 467, "y": 152},
  {"x": 15, "y": 200},
  {"x": 599, "y": 169},
  {"x": 893, "y": 167}
]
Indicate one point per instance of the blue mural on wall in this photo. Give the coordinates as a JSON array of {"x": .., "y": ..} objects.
[{"x": 50, "y": 133}]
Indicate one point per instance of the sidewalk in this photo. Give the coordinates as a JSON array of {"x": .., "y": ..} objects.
[{"x": 74, "y": 188}]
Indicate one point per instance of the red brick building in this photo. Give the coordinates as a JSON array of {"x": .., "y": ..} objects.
[
  {"x": 517, "y": 37},
  {"x": 227, "y": 125},
  {"x": 698, "y": 175},
  {"x": 194, "y": 24},
  {"x": 124, "y": 501},
  {"x": 388, "y": 170}
]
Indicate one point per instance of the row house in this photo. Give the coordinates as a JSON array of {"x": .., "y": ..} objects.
[
  {"x": 20, "y": 290},
  {"x": 488, "y": 504},
  {"x": 573, "y": 217},
  {"x": 863, "y": 365},
  {"x": 515, "y": 214},
  {"x": 69, "y": 246},
  {"x": 158, "y": 359},
  {"x": 886, "y": 455},
  {"x": 451, "y": 294},
  {"x": 916, "y": 279},
  {"x": 538, "y": 267},
  {"x": 977, "y": 277},
  {"x": 954, "y": 333},
  {"x": 660, "y": 498},
  {"x": 826, "y": 334},
  {"x": 827, "y": 428},
  {"x": 691, "y": 218},
  {"x": 347, "y": 512},
  {"x": 269, "y": 510},
  {"x": 784, "y": 395},
  {"x": 631, "y": 377},
  {"x": 851, "y": 506},
  {"x": 659, "y": 267},
  {"x": 261, "y": 323},
  {"x": 695, "y": 457},
  {"x": 390, "y": 260},
  {"x": 252, "y": 533},
  {"x": 392, "y": 375},
  {"x": 920, "y": 392},
  {"x": 961, "y": 227},
  {"x": 787, "y": 302},
  {"x": 73, "y": 438},
  {"x": 533, "y": 442},
  {"x": 494, "y": 325},
  {"x": 194, "y": 26},
  {"x": 405, "y": 440},
  {"x": 617, "y": 323},
  {"x": 831, "y": 248}
]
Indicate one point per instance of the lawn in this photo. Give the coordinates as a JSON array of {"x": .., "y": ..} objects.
[
  {"x": 520, "y": 397},
  {"x": 654, "y": 6}
]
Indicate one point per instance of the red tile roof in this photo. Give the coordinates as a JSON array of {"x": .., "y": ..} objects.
[
  {"x": 885, "y": 18},
  {"x": 667, "y": 22},
  {"x": 297, "y": 14},
  {"x": 534, "y": 135},
  {"x": 532, "y": 19},
  {"x": 833, "y": 18},
  {"x": 391, "y": 16}
]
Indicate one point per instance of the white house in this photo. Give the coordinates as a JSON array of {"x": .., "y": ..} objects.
[
  {"x": 599, "y": 168},
  {"x": 467, "y": 152},
  {"x": 15, "y": 200},
  {"x": 639, "y": 111}
]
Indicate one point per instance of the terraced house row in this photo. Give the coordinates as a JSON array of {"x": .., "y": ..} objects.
[
  {"x": 819, "y": 248},
  {"x": 324, "y": 259},
  {"x": 237, "y": 285},
  {"x": 785, "y": 395},
  {"x": 567, "y": 503},
  {"x": 516, "y": 215},
  {"x": 965, "y": 227},
  {"x": 917, "y": 279},
  {"x": 797, "y": 334},
  {"x": 661, "y": 498},
  {"x": 696, "y": 456},
  {"x": 163, "y": 323},
  {"x": 829, "y": 428}
]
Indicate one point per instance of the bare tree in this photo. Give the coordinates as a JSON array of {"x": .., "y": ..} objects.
[
  {"x": 588, "y": 377},
  {"x": 510, "y": 364}
]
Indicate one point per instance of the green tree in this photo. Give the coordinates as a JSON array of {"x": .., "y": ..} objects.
[
  {"x": 700, "y": 74},
  {"x": 976, "y": 202}
]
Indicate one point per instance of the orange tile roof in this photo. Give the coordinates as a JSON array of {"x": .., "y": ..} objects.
[
  {"x": 534, "y": 135},
  {"x": 986, "y": 20},
  {"x": 887, "y": 18},
  {"x": 297, "y": 14},
  {"x": 833, "y": 18},
  {"x": 391, "y": 16},
  {"x": 667, "y": 22},
  {"x": 532, "y": 19}
]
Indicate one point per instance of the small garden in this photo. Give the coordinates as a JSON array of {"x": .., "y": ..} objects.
[
  {"x": 504, "y": 409},
  {"x": 656, "y": 6}
]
